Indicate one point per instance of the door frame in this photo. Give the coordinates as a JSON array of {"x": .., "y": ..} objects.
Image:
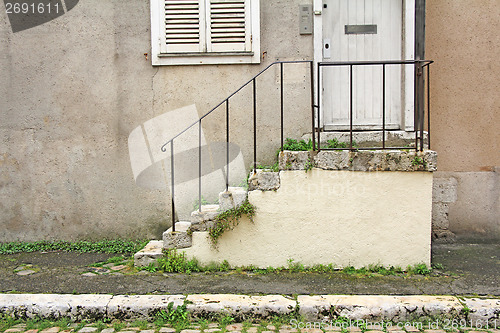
[{"x": 408, "y": 28}]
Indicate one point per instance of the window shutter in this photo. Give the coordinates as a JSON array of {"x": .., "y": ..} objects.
[
  {"x": 229, "y": 26},
  {"x": 184, "y": 26}
]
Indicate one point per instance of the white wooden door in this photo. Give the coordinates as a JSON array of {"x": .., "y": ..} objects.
[{"x": 362, "y": 30}]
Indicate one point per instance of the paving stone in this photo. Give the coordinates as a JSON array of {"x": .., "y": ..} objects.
[
  {"x": 190, "y": 331},
  {"x": 211, "y": 330},
  {"x": 434, "y": 331},
  {"x": 108, "y": 330},
  {"x": 136, "y": 329},
  {"x": 88, "y": 329},
  {"x": 252, "y": 330},
  {"x": 147, "y": 331},
  {"x": 25, "y": 272},
  {"x": 51, "y": 330},
  {"x": 311, "y": 330},
  {"x": 234, "y": 327},
  {"x": 19, "y": 326},
  {"x": 213, "y": 325},
  {"x": 271, "y": 327},
  {"x": 99, "y": 270},
  {"x": 167, "y": 330},
  {"x": 353, "y": 329},
  {"x": 36, "y": 331},
  {"x": 13, "y": 330},
  {"x": 375, "y": 331},
  {"x": 127, "y": 331},
  {"x": 411, "y": 329},
  {"x": 287, "y": 330},
  {"x": 267, "y": 331},
  {"x": 89, "y": 274},
  {"x": 118, "y": 268}
]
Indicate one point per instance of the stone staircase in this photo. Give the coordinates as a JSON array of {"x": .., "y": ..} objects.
[{"x": 201, "y": 220}]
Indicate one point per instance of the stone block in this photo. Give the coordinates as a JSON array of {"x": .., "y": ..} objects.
[
  {"x": 336, "y": 161},
  {"x": 294, "y": 160},
  {"x": 234, "y": 197},
  {"x": 444, "y": 190},
  {"x": 76, "y": 307},
  {"x": 178, "y": 239},
  {"x": 264, "y": 180},
  {"x": 207, "y": 213},
  {"x": 440, "y": 215},
  {"x": 126, "y": 307},
  {"x": 149, "y": 254},
  {"x": 239, "y": 306}
]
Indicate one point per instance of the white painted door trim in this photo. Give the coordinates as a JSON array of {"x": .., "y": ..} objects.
[{"x": 408, "y": 54}]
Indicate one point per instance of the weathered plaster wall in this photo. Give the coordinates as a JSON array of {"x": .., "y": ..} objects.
[
  {"x": 462, "y": 38},
  {"x": 73, "y": 89},
  {"x": 323, "y": 216}
]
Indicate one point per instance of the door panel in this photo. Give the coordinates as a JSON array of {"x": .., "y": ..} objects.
[{"x": 359, "y": 42}]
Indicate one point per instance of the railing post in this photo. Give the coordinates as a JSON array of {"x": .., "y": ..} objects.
[
  {"x": 172, "y": 181},
  {"x": 318, "y": 87},
  {"x": 415, "y": 103},
  {"x": 350, "y": 106},
  {"x": 383, "y": 106},
  {"x": 254, "y": 126},
  {"x": 282, "y": 110},
  {"x": 311, "y": 67},
  {"x": 227, "y": 144},
  {"x": 419, "y": 105},
  {"x": 199, "y": 166},
  {"x": 429, "y": 106}
]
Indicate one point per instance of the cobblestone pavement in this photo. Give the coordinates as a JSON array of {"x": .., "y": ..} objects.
[{"x": 246, "y": 327}]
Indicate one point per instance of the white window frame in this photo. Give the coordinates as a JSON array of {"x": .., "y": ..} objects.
[{"x": 159, "y": 57}]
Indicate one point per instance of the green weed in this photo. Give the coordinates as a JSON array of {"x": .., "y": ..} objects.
[
  {"x": 229, "y": 219},
  {"x": 104, "y": 246}
]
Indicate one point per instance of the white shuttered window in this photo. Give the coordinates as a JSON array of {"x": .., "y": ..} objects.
[{"x": 205, "y": 31}]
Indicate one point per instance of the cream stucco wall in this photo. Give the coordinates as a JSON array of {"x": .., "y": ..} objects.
[{"x": 340, "y": 217}]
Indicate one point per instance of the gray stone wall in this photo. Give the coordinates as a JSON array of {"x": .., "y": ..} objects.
[{"x": 73, "y": 89}]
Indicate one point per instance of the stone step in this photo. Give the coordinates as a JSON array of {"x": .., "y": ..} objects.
[
  {"x": 203, "y": 220},
  {"x": 149, "y": 254},
  {"x": 234, "y": 197},
  {"x": 179, "y": 239}
]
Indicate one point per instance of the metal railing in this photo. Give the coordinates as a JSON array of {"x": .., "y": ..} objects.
[
  {"x": 420, "y": 78},
  {"x": 419, "y": 114},
  {"x": 225, "y": 102}
]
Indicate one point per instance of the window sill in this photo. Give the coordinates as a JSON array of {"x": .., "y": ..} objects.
[{"x": 213, "y": 58}]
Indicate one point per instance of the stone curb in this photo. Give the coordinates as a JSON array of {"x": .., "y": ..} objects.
[{"x": 313, "y": 308}]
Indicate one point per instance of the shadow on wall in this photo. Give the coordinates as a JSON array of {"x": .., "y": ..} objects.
[{"x": 152, "y": 168}]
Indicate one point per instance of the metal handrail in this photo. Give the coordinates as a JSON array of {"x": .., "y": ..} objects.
[
  {"x": 226, "y": 102},
  {"x": 419, "y": 107},
  {"x": 164, "y": 149}
]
